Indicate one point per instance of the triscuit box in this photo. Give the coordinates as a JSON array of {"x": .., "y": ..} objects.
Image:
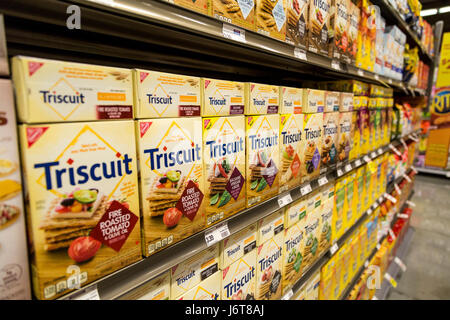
[
  {"x": 237, "y": 245},
  {"x": 59, "y": 91},
  {"x": 198, "y": 5},
  {"x": 313, "y": 101},
  {"x": 239, "y": 279},
  {"x": 291, "y": 100},
  {"x": 326, "y": 222},
  {"x": 319, "y": 26},
  {"x": 15, "y": 284},
  {"x": 330, "y": 139},
  {"x": 236, "y": 12},
  {"x": 208, "y": 289},
  {"x": 83, "y": 206},
  {"x": 297, "y": 23},
  {"x": 295, "y": 212},
  {"x": 311, "y": 245},
  {"x": 263, "y": 159},
  {"x": 261, "y": 98},
  {"x": 171, "y": 184},
  {"x": 312, "y": 288},
  {"x": 346, "y": 102},
  {"x": 350, "y": 196},
  {"x": 355, "y": 151},
  {"x": 269, "y": 265},
  {"x": 165, "y": 95},
  {"x": 291, "y": 140},
  {"x": 339, "y": 23},
  {"x": 221, "y": 97},
  {"x": 311, "y": 155},
  {"x": 354, "y": 17},
  {"x": 155, "y": 289},
  {"x": 269, "y": 226},
  {"x": 270, "y": 18},
  {"x": 331, "y": 101},
  {"x": 345, "y": 144},
  {"x": 359, "y": 189},
  {"x": 223, "y": 166},
  {"x": 338, "y": 209}
]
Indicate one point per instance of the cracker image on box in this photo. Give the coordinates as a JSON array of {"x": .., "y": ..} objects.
[
  {"x": 297, "y": 22},
  {"x": 312, "y": 233},
  {"x": 83, "y": 201},
  {"x": 156, "y": 289},
  {"x": 262, "y": 150},
  {"x": 293, "y": 248},
  {"x": 208, "y": 289},
  {"x": 344, "y": 134},
  {"x": 269, "y": 267},
  {"x": 198, "y": 5},
  {"x": 171, "y": 184},
  {"x": 331, "y": 101},
  {"x": 330, "y": 139},
  {"x": 221, "y": 97},
  {"x": 319, "y": 26},
  {"x": 237, "y": 12},
  {"x": 271, "y": 18},
  {"x": 59, "y": 91},
  {"x": 312, "y": 131},
  {"x": 326, "y": 217},
  {"x": 261, "y": 98},
  {"x": 224, "y": 166},
  {"x": 291, "y": 126},
  {"x": 313, "y": 101},
  {"x": 165, "y": 95},
  {"x": 239, "y": 279},
  {"x": 189, "y": 273},
  {"x": 291, "y": 100},
  {"x": 237, "y": 245}
]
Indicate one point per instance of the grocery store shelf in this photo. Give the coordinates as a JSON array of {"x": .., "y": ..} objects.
[
  {"x": 394, "y": 269},
  {"x": 434, "y": 171}
]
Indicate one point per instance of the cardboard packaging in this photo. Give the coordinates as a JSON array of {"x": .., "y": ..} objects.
[
  {"x": 270, "y": 18},
  {"x": 326, "y": 222},
  {"x": 156, "y": 289},
  {"x": 221, "y": 97},
  {"x": 269, "y": 268},
  {"x": 350, "y": 196},
  {"x": 171, "y": 184},
  {"x": 330, "y": 140},
  {"x": 332, "y": 101},
  {"x": 355, "y": 151},
  {"x": 319, "y": 26},
  {"x": 338, "y": 210},
  {"x": 352, "y": 47},
  {"x": 312, "y": 233},
  {"x": 208, "y": 289},
  {"x": 269, "y": 226},
  {"x": 261, "y": 98},
  {"x": 82, "y": 202},
  {"x": 346, "y": 102},
  {"x": 297, "y": 23},
  {"x": 313, "y": 101},
  {"x": 200, "y": 6},
  {"x": 237, "y": 245},
  {"x": 262, "y": 150},
  {"x": 15, "y": 284},
  {"x": 291, "y": 100},
  {"x": 165, "y": 95},
  {"x": 196, "y": 269},
  {"x": 311, "y": 156},
  {"x": 291, "y": 140},
  {"x": 295, "y": 212},
  {"x": 223, "y": 166},
  {"x": 312, "y": 287},
  {"x": 339, "y": 23},
  {"x": 239, "y": 13},
  {"x": 344, "y": 133},
  {"x": 58, "y": 91},
  {"x": 239, "y": 279}
]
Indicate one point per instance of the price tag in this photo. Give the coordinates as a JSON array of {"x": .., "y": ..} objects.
[
  {"x": 414, "y": 169},
  {"x": 400, "y": 263},
  {"x": 348, "y": 167},
  {"x": 233, "y": 33},
  {"x": 397, "y": 188},
  {"x": 380, "y": 151},
  {"x": 334, "y": 248},
  {"x": 390, "y": 81},
  {"x": 339, "y": 172},
  {"x": 376, "y": 77},
  {"x": 389, "y": 197},
  {"x": 284, "y": 200},
  {"x": 373, "y": 155},
  {"x": 90, "y": 293},
  {"x": 305, "y": 189},
  {"x": 367, "y": 159},
  {"x": 357, "y": 163},
  {"x": 410, "y": 203},
  {"x": 288, "y": 295},
  {"x": 217, "y": 233},
  {"x": 402, "y": 216},
  {"x": 388, "y": 277},
  {"x": 360, "y": 73},
  {"x": 335, "y": 65},
  {"x": 323, "y": 181},
  {"x": 395, "y": 150},
  {"x": 378, "y": 246},
  {"x": 366, "y": 264},
  {"x": 404, "y": 143},
  {"x": 369, "y": 211},
  {"x": 391, "y": 233},
  {"x": 300, "y": 54},
  {"x": 407, "y": 178}
]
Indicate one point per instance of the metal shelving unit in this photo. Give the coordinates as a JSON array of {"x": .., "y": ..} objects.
[{"x": 434, "y": 171}]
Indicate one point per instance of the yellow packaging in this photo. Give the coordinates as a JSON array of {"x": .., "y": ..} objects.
[
  {"x": 346, "y": 102},
  {"x": 262, "y": 150},
  {"x": 208, "y": 289},
  {"x": 291, "y": 100},
  {"x": 354, "y": 248},
  {"x": 239, "y": 279},
  {"x": 297, "y": 22},
  {"x": 310, "y": 157},
  {"x": 165, "y": 95},
  {"x": 312, "y": 234},
  {"x": 338, "y": 271},
  {"x": 358, "y": 199},
  {"x": 344, "y": 136},
  {"x": 261, "y": 98},
  {"x": 330, "y": 139},
  {"x": 295, "y": 212},
  {"x": 171, "y": 186},
  {"x": 271, "y": 18},
  {"x": 235, "y": 12},
  {"x": 313, "y": 100},
  {"x": 199, "y": 5},
  {"x": 269, "y": 226},
  {"x": 82, "y": 186},
  {"x": 59, "y": 91},
  {"x": 156, "y": 289},
  {"x": 223, "y": 166},
  {"x": 269, "y": 268},
  {"x": 221, "y": 97},
  {"x": 331, "y": 101},
  {"x": 312, "y": 287},
  {"x": 291, "y": 143},
  {"x": 237, "y": 245},
  {"x": 367, "y": 189},
  {"x": 349, "y": 217},
  {"x": 189, "y": 273},
  {"x": 338, "y": 209}
]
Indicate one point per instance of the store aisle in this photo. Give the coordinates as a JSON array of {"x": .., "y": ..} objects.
[{"x": 428, "y": 258}]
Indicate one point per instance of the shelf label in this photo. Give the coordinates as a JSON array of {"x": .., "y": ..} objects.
[
  {"x": 404, "y": 143},
  {"x": 233, "y": 33},
  {"x": 376, "y": 77},
  {"x": 407, "y": 178},
  {"x": 305, "y": 189},
  {"x": 323, "y": 181},
  {"x": 335, "y": 65},
  {"x": 391, "y": 233},
  {"x": 90, "y": 293},
  {"x": 334, "y": 248},
  {"x": 402, "y": 216},
  {"x": 360, "y": 73},
  {"x": 390, "y": 81},
  {"x": 367, "y": 159},
  {"x": 217, "y": 233},
  {"x": 284, "y": 200},
  {"x": 339, "y": 172},
  {"x": 414, "y": 169},
  {"x": 348, "y": 167},
  {"x": 357, "y": 163},
  {"x": 389, "y": 197},
  {"x": 395, "y": 150},
  {"x": 410, "y": 203},
  {"x": 288, "y": 295},
  {"x": 389, "y": 278},
  {"x": 400, "y": 263},
  {"x": 380, "y": 151},
  {"x": 378, "y": 246},
  {"x": 366, "y": 264},
  {"x": 397, "y": 188},
  {"x": 300, "y": 54}
]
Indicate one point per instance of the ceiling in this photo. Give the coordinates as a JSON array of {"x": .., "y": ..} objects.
[{"x": 432, "y": 4}]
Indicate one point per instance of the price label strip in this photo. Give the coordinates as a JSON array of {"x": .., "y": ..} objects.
[
  {"x": 369, "y": 211},
  {"x": 395, "y": 150},
  {"x": 305, "y": 189},
  {"x": 334, "y": 248},
  {"x": 335, "y": 65},
  {"x": 348, "y": 167},
  {"x": 90, "y": 293},
  {"x": 284, "y": 200},
  {"x": 407, "y": 178},
  {"x": 357, "y": 162},
  {"x": 391, "y": 280},
  {"x": 391, "y": 198},
  {"x": 300, "y": 54},
  {"x": 233, "y": 33},
  {"x": 340, "y": 173},
  {"x": 323, "y": 181},
  {"x": 380, "y": 151},
  {"x": 397, "y": 188},
  {"x": 217, "y": 233},
  {"x": 288, "y": 295},
  {"x": 410, "y": 203},
  {"x": 400, "y": 263},
  {"x": 360, "y": 73},
  {"x": 367, "y": 159}
]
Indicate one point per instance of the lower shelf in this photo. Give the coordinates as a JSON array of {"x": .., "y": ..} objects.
[{"x": 434, "y": 171}]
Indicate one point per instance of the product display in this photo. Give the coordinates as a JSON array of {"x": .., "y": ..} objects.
[
  {"x": 221, "y": 98},
  {"x": 261, "y": 98},
  {"x": 319, "y": 25},
  {"x": 271, "y": 18},
  {"x": 311, "y": 155},
  {"x": 240, "y": 13}
]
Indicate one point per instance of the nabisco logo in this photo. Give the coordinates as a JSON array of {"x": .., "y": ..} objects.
[{"x": 33, "y": 134}]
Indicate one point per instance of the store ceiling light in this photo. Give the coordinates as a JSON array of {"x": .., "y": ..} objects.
[
  {"x": 444, "y": 9},
  {"x": 428, "y": 12}
]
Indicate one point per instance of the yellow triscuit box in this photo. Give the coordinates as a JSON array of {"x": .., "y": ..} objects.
[
  {"x": 326, "y": 221},
  {"x": 208, "y": 289},
  {"x": 237, "y": 245},
  {"x": 187, "y": 274},
  {"x": 59, "y": 91},
  {"x": 313, "y": 101},
  {"x": 295, "y": 212},
  {"x": 311, "y": 155},
  {"x": 291, "y": 100},
  {"x": 82, "y": 185},
  {"x": 270, "y": 16},
  {"x": 239, "y": 279},
  {"x": 165, "y": 95},
  {"x": 331, "y": 101},
  {"x": 221, "y": 97},
  {"x": 269, "y": 226},
  {"x": 261, "y": 99},
  {"x": 236, "y": 12},
  {"x": 156, "y": 289}
]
